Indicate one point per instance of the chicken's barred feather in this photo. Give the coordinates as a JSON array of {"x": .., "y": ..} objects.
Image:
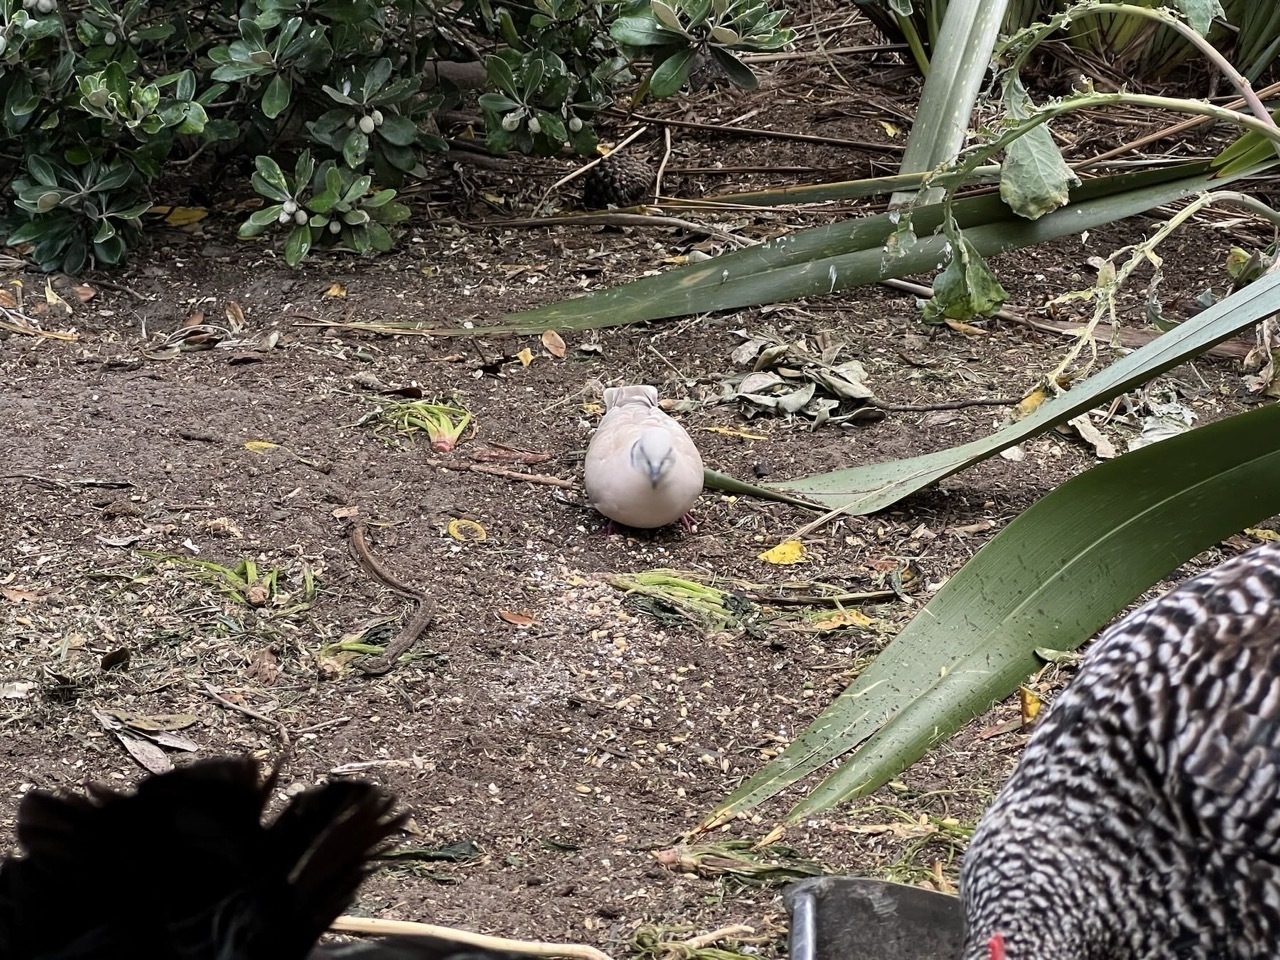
[{"x": 1143, "y": 820}]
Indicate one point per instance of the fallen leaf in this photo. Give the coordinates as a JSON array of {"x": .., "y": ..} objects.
[
  {"x": 784, "y": 554},
  {"x": 152, "y": 723},
  {"x": 264, "y": 667},
  {"x": 84, "y": 291},
  {"x": 52, "y": 299},
  {"x": 128, "y": 541},
  {"x": 1049, "y": 655},
  {"x": 467, "y": 531},
  {"x": 235, "y": 316},
  {"x": 16, "y": 595},
  {"x": 224, "y": 527},
  {"x": 260, "y": 446},
  {"x": 149, "y": 756},
  {"x": 116, "y": 658},
  {"x": 1102, "y": 447},
  {"x": 185, "y": 216},
  {"x": 843, "y": 618},
  {"x": 968, "y": 329},
  {"x": 1030, "y": 703},
  {"x": 518, "y": 618},
  {"x": 525, "y": 357},
  {"x": 336, "y": 291},
  {"x": 553, "y": 344},
  {"x": 17, "y": 690}
]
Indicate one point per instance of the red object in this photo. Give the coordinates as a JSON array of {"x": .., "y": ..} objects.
[{"x": 995, "y": 946}]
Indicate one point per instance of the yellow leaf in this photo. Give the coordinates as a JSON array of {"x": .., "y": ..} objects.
[
  {"x": 336, "y": 291},
  {"x": 730, "y": 432},
  {"x": 1030, "y": 403},
  {"x": 183, "y": 216},
  {"x": 1030, "y": 703},
  {"x": 967, "y": 329},
  {"x": 260, "y": 446},
  {"x": 51, "y": 297},
  {"x": 525, "y": 357},
  {"x": 467, "y": 530},
  {"x": 891, "y": 129},
  {"x": 784, "y": 554},
  {"x": 843, "y": 618}
]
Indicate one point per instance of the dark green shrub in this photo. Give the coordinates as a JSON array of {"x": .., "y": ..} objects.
[{"x": 103, "y": 98}]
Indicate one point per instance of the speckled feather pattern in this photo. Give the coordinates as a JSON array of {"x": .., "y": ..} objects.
[{"x": 1143, "y": 820}]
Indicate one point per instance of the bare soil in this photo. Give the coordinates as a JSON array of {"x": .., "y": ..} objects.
[{"x": 550, "y": 735}]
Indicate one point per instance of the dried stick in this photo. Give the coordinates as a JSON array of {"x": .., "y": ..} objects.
[{"x": 529, "y": 948}]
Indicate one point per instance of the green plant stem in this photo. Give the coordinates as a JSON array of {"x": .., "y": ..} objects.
[
  {"x": 1143, "y": 252},
  {"x": 1211, "y": 53},
  {"x": 1044, "y": 114},
  {"x": 918, "y": 52}
]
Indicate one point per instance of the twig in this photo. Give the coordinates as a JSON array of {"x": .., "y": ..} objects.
[
  {"x": 529, "y": 948},
  {"x": 286, "y": 745},
  {"x": 943, "y": 405},
  {"x": 413, "y": 627},
  {"x": 707, "y": 939},
  {"x": 612, "y": 218},
  {"x": 504, "y": 473},
  {"x": 666, "y": 157},
  {"x": 775, "y": 134},
  {"x": 124, "y": 288},
  {"x": 336, "y": 721},
  {"x": 1231, "y": 350},
  {"x": 1173, "y": 130}
]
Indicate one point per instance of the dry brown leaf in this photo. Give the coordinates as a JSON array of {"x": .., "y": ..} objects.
[
  {"x": 843, "y": 618},
  {"x": 968, "y": 329},
  {"x": 517, "y": 618},
  {"x": 336, "y": 291},
  {"x": 235, "y": 316},
  {"x": 553, "y": 344},
  {"x": 17, "y": 595},
  {"x": 84, "y": 291},
  {"x": 264, "y": 667},
  {"x": 149, "y": 756}
]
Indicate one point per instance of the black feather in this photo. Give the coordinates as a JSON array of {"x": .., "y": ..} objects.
[{"x": 185, "y": 869}]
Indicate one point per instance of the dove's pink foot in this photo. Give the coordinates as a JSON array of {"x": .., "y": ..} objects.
[{"x": 688, "y": 522}]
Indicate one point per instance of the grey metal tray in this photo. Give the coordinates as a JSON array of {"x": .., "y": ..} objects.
[{"x": 853, "y": 918}]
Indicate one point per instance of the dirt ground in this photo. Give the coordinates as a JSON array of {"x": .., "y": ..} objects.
[{"x": 550, "y": 735}]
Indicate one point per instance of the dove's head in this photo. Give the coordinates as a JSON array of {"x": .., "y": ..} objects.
[{"x": 652, "y": 454}]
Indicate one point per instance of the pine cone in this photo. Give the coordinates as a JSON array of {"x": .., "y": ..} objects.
[{"x": 619, "y": 180}]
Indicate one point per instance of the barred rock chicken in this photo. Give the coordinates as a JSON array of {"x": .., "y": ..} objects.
[
  {"x": 184, "y": 869},
  {"x": 1143, "y": 820}
]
